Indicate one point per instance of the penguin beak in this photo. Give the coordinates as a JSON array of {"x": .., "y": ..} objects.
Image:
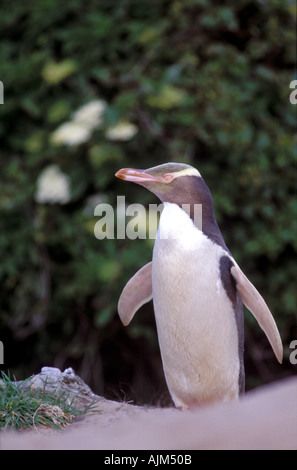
[{"x": 136, "y": 176}]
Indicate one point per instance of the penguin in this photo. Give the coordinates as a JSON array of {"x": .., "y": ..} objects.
[{"x": 198, "y": 291}]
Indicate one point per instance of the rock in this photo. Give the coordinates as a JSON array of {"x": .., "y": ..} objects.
[{"x": 52, "y": 379}]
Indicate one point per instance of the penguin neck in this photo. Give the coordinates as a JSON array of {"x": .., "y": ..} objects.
[
  {"x": 209, "y": 224},
  {"x": 192, "y": 190}
]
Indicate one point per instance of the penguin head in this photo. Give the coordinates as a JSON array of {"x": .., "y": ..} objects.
[
  {"x": 171, "y": 182},
  {"x": 180, "y": 184}
]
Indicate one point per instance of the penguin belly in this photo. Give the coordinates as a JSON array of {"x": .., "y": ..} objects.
[{"x": 195, "y": 320}]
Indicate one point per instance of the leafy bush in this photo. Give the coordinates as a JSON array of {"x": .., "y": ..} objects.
[{"x": 191, "y": 81}]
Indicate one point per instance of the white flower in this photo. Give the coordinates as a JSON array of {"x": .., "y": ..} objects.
[
  {"x": 90, "y": 115},
  {"x": 53, "y": 186},
  {"x": 124, "y": 130},
  {"x": 70, "y": 133},
  {"x": 80, "y": 128}
]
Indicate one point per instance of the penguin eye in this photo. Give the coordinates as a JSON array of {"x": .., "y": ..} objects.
[{"x": 167, "y": 178}]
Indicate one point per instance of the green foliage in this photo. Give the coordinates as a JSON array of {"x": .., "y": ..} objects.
[{"x": 202, "y": 83}]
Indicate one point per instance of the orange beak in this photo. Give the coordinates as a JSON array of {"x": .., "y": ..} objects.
[{"x": 136, "y": 176}]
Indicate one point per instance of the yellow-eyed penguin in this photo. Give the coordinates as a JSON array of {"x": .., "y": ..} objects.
[{"x": 197, "y": 290}]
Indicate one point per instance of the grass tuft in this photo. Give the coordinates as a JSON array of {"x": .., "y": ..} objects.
[{"x": 22, "y": 407}]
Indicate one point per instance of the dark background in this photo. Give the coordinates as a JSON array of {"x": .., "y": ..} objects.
[{"x": 203, "y": 82}]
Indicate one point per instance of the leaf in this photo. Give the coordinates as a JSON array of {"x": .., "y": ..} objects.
[
  {"x": 55, "y": 72},
  {"x": 167, "y": 98}
]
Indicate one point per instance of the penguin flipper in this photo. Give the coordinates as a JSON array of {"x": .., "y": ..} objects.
[
  {"x": 257, "y": 306},
  {"x": 137, "y": 292}
]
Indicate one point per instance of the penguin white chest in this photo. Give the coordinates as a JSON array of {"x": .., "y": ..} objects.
[{"x": 195, "y": 319}]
